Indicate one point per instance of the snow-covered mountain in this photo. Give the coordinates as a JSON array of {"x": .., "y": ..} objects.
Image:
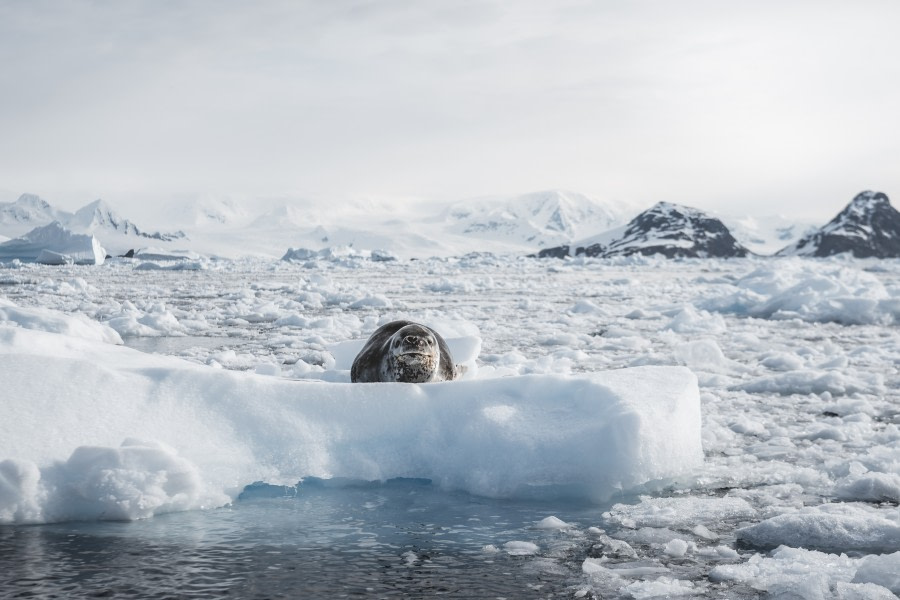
[
  {"x": 207, "y": 211},
  {"x": 533, "y": 220},
  {"x": 99, "y": 217},
  {"x": 286, "y": 217},
  {"x": 668, "y": 229},
  {"x": 27, "y": 212},
  {"x": 867, "y": 227},
  {"x": 18, "y": 219},
  {"x": 676, "y": 231},
  {"x": 407, "y": 228},
  {"x": 563, "y": 223},
  {"x": 54, "y": 244},
  {"x": 118, "y": 235},
  {"x": 765, "y": 235}
]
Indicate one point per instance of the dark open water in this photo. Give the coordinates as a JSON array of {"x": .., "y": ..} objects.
[{"x": 402, "y": 539}]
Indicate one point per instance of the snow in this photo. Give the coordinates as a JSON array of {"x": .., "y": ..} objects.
[
  {"x": 210, "y": 432},
  {"x": 811, "y": 575},
  {"x": 849, "y": 528},
  {"x": 53, "y": 244},
  {"x": 26, "y": 213},
  {"x": 378, "y": 230},
  {"x": 678, "y": 512},
  {"x": 582, "y": 384},
  {"x": 55, "y": 322},
  {"x": 96, "y": 218},
  {"x": 552, "y": 523},
  {"x": 519, "y": 548},
  {"x": 538, "y": 220},
  {"x": 883, "y": 570},
  {"x": 338, "y": 254},
  {"x": 766, "y": 234},
  {"x": 664, "y": 587},
  {"x": 797, "y": 289}
]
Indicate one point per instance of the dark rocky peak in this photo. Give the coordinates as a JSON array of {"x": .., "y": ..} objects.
[
  {"x": 676, "y": 231},
  {"x": 867, "y": 227},
  {"x": 668, "y": 229},
  {"x": 864, "y": 211}
]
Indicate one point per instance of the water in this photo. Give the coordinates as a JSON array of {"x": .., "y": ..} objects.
[{"x": 401, "y": 539}]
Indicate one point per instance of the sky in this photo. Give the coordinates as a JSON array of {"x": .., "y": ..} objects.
[{"x": 762, "y": 107}]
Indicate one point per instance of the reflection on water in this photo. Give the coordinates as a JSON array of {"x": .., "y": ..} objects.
[{"x": 402, "y": 539}]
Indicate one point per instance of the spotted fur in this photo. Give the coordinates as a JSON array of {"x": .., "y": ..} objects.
[{"x": 404, "y": 351}]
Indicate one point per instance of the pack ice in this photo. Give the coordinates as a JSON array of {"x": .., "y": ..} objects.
[{"x": 93, "y": 430}]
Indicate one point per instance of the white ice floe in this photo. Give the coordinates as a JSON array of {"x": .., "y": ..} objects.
[
  {"x": 664, "y": 587},
  {"x": 587, "y": 436},
  {"x": 137, "y": 480},
  {"x": 43, "y": 319},
  {"x": 813, "y": 575},
  {"x": 840, "y": 527},
  {"x": 815, "y": 381},
  {"x": 146, "y": 319},
  {"x": 520, "y": 548},
  {"x": 870, "y": 487},
  {"x": 552, "y": 523},
  {"x": 682, "y": 513},
  {"x": 794, "y": 289}
]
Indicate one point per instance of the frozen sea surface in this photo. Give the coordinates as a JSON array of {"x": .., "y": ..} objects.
[{"x": 797, "y": 496}]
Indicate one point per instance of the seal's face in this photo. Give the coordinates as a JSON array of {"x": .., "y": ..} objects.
[{"x": 414, "y": 355}]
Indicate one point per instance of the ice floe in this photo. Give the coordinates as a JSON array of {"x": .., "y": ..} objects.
[{"x": 209, "y": 432}]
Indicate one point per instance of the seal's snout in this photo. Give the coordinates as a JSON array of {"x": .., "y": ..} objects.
[{"x": 414, "y": 341}]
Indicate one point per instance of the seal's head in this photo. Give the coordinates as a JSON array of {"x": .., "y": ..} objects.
[{"x": 414, "y": 355}]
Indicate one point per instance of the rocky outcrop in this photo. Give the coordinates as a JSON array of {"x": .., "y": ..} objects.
[
  {"x": 665, "y": 229},
  {"x": 867, "y": 227}
]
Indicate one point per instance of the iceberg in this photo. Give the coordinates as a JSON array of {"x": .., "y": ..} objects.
[
  {"x": 53, "y": 244},
  {"x": 94, "y": 430}
]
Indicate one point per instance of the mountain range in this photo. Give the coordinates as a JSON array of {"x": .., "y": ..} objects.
[
  {"x": 98, "y": 218},
  {"x": 551, "y": 223}
]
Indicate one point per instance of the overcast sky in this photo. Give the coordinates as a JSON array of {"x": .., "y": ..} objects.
[{"x": 760, "y": 106}]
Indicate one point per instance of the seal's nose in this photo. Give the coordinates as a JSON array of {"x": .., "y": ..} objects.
[{"x": 413, "y": 340}]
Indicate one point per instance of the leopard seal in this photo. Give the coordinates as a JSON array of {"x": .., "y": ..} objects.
[{"x": 404, "y": 351}]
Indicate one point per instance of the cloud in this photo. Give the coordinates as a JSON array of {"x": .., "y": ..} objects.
[{"x": 696, "y": 101}]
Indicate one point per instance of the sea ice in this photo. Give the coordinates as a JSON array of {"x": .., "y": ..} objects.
[
  {"x": 519, "y": 548},
  {"x": 796, "y": 289},
  {"x": 681, "y": 513},
  {"x": 664, "y": 587},
  {"x": 552, "y": 523},
  {"x": 43, "y": 319},
  {"x": 871, "y": 487},
  {"x": 589, "y": 435},
  {"x": 883, "y": 570},
  {"x": 813, "y": 575},
  {"x": 834, "y": 527},
  {"x": 799, "y": 417}
]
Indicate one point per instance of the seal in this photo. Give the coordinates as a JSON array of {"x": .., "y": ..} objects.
[{"x": 406, "y": 352}]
